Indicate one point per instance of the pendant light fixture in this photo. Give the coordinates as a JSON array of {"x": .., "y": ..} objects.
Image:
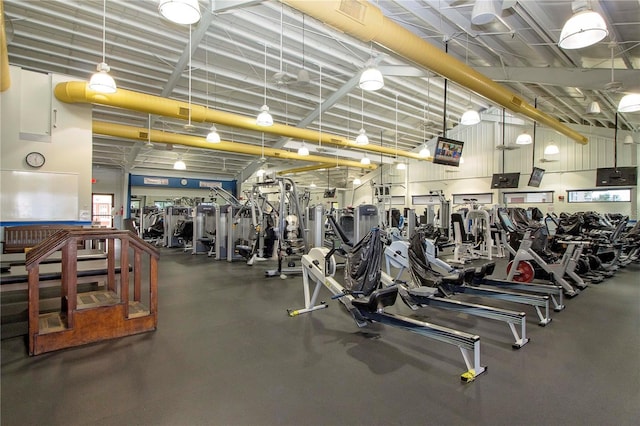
[
  {"x": 101, "y": 81},
  {"x": 425, "y": 152},
  {"x": 213, "y": 136},
  {"x": 583, "y": 29},
  {"x": 264, "y": 118},
  {"x": 400, "y": 165},
  {"x": 365, "y": 161},
  {"x": 179, "y": 164},
  {"x": 183, "y": 12},
  {"x": 551, "y": 149},
  {"x": 524, "y": 138},
  {"x": 484, "y": 12},
  {"x": 261, "y": 171},
  {"x": 362, "y": 138},
  {"x": 593, "y": 108},
  {"x": 629, "y": 103},
  {"x": 303, "y": 150},
  {"x": 371, "y": 78},
  {"x": 357, "y": 181},
  {"x": 470, "y": 116}
]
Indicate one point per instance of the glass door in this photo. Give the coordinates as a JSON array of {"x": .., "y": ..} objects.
[{"x": 102, "y": 210}]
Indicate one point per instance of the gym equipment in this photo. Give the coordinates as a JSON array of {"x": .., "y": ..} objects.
[
  {"x": 291, "y": 229},
  {"x": 204, "y": 230},
  {"x": 365, "y": 301},
  {"x": 173, "y": 215},
  {"x": 445, "y": 284},
  {"x": 316, "y": 225},
  {"x": 365, "y": 219},
  {"x": 520, "y": 269}
]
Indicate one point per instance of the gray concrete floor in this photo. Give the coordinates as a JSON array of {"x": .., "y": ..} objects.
[{"x": 226, "y": 353}]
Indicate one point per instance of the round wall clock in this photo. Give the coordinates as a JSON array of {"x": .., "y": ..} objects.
[{"x": 35, "y": 159}]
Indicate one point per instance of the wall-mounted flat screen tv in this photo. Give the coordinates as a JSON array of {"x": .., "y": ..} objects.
[
  {"x": 330, "y": 193},
  {"x": 448, "y": 152},
  {"x": 505, "y": 180},
  {"x": 536, "y": 177},
  {"x": 617, "y": 176}
]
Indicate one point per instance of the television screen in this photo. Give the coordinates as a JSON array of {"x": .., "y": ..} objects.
[
  {"x": 505, "y": 180},
  {"x": 620, "y": 176},
  {"x": 383, "y": 190},
  {"x": 330, "y": 193},
  {"x": 448, "y": 152},
  {"x": 536, "y": 177}
]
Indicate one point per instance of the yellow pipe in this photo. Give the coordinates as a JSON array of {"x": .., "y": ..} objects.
[
  {"x": 142, "y": 134},
  {"x": 307, "y": 168},
  {"x": 78, "y": 92},
  {"x": 5, "y": 76},
  {"x": 367, "y": 23}
]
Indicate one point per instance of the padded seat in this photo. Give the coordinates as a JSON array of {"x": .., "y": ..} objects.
[{"x": 377, "y": 300}]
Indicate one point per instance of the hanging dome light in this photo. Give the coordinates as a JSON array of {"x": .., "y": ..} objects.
[
  {"x": 583, "y": 29},
  {"x": 261, "y": 171},
  {"x": 484, "y": 12},
  {"x": 401, "y": 166},
  {"x": 312, "y": 185},
  {"x": 357, "y": 181},
  {"x": 371, "y": 79},
  {"x": 303, "y": 150},
  {"x": 179, "y": 165},
  {"x": 593, "y": 108},
  {"x": 213, "y": 136},
  {"x": 524, "y": 139},
  {"x": 365, "y": 160},
  {"x": 470, "y": 117},
  {"x": 628, "y": 140},
  {"x": 424, "y": 152},
  {"x": 264, "y": 118},
  {"x": 551, "y": 149},
  {"x": 629, "y": 103},
  {"x": 362, "y": 138},
  {"x": 101, "y": 81},
  {"x": 183, "y": 12}
]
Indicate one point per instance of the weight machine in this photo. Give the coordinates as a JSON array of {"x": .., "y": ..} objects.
[
  {"x": 173, "y": 215},
  {"x": 204, "y": 230}
]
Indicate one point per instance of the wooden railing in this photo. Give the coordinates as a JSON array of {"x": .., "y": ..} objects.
[{"x": 99, "y": 315}]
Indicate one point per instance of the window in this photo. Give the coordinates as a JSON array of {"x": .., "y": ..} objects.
[
  {"x": 600, "y": 196},
  {"x": 528, "y": 197},
  {"x": 486, "y": 198}
]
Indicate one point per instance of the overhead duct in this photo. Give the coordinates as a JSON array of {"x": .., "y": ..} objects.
[
  {"x": 367, "y": 23},
  {"x": 5, "y": 76},
  {"x": 143, "y": 134},
  {"x": 79, "y": 92}
]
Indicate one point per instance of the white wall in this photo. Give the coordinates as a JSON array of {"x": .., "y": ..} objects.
[{"x": 32, "y": 119}]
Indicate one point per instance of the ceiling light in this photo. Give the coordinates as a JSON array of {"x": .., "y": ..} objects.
[
  {"x": 371, "y": 79},
  {"x": 484, "y": 11},
  {"x": 551, "y": 149},
  {"x": 312, "y": 185},
  {"x": 362, "y": 138},
  {"x": 583, "y": 29},
  {"x": 629, "y": 103},
  {"x": 470, "y": 117},
  {"x": 101, "y": 81},
  {"x": 303, "y": 150},
  {"x": 593, "y": 108},
  {"x": 424, "y": 152},
  {"x": 401, "y": 166},
  {"x": 179, "y": 165},
  {"x": 264, "y": 118},
  {"x": 183, "y": 12},
  {"x": 628, "y": 140},
  {"x": 365, "y": 161},
  {"x": 524, "y": 139},
  {"x": 261, "y": 171},
  {"x": 357, "y": 181},
  {"x": 213, "y": 136}
]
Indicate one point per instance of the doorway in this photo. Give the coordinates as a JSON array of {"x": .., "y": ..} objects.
[{"x": 102, "y": 212}]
